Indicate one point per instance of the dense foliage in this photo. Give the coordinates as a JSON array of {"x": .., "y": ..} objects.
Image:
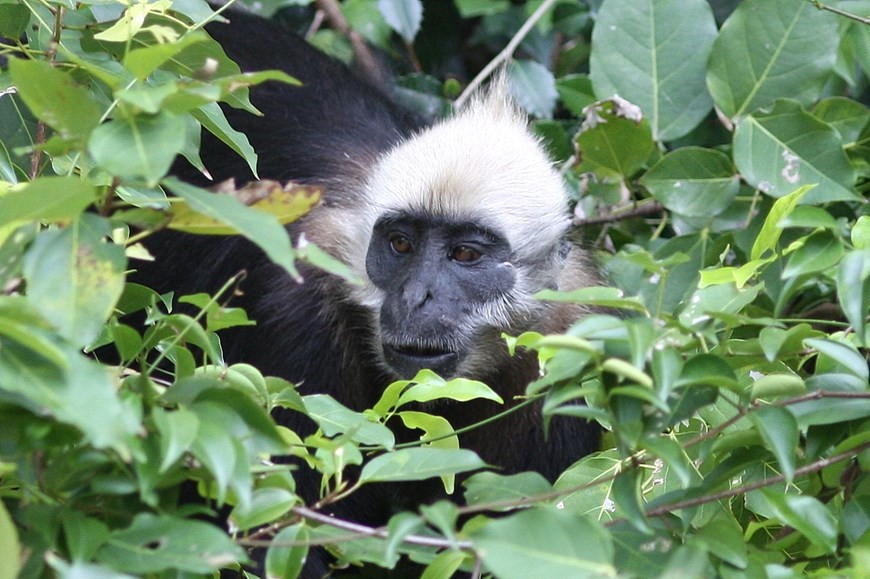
[{"x": 720, "y": 156}]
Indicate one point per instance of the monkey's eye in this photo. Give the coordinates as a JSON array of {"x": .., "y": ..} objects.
[
  {"x": 401, "y": 244},
  {"x": 464, "y": 254}
]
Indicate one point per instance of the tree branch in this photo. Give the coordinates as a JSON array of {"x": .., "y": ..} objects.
[
  {"x": 620, "y": 213},
  {"x": 505, "y": 54},
  {"x": 726, "y": 494}
]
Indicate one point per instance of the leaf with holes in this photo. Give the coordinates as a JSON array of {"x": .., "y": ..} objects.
[{"x": 654, "y": 53}]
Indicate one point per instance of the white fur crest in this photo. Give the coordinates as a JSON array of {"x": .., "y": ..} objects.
[{"x": 481, "y": 165}]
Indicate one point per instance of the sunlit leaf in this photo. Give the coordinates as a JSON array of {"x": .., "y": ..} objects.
[{"x": 410, "y": 464}]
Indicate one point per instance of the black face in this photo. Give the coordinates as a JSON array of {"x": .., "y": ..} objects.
[{"x": 438, "y": 277}]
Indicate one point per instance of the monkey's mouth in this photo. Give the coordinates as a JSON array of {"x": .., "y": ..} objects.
[{"x": 408, "y": 359}]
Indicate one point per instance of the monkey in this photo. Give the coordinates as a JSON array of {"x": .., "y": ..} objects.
[{"x": 452, "y": 225}]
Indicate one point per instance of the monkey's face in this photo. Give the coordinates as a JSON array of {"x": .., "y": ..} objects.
[{"x": 446, "y": 286}]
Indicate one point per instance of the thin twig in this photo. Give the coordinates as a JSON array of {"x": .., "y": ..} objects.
[
  {"x": 838, "y": 12},
  {"x": 505, "y": 54},
  {"x": 51, "y": 54},
  {"x": 361, "y": 531},
  {"x": 726, "y": 494}
]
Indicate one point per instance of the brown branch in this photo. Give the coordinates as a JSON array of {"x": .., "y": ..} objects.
[
  {"x": 621, "y": 213},
  {"x": 358, "y": 531},
  {"x": 726, "y": 494},
  {"x": 51, "y": 54},
  {"x": 506, "y": 54}
]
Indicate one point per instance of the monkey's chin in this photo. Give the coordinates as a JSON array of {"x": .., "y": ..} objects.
[{"x": 406, "y": 360}]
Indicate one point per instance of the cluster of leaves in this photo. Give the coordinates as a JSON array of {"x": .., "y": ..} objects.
[{"x": 720, "y": 160}]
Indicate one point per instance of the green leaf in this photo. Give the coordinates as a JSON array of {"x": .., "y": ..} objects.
[
  {"x": 779, "y": 429},
  {"x": 411, "y": 464},
  {"x": 689, "y": 560},
  {"x": 75, "y": 278},
  {"x": 533, "y": 87},
  {"x": 143, "y": 61},
  {"x": 555, "y": 549},
  {"x": 707, "y": 370},
  {"x": 654, "y": 53},
  {"x": 334, "y": 418},
  {"x": 615, "y": 139},
  {"x": 267, "y": 506},
  {"x": 598, "y": 297},
  {"x": 69, "y": 393},
  {"x": 787, "y": 148},
  {"x": 214, "y": 121},
  {"x": 10, "y": 549},
  {"x": 261, "y": 228},
  {"x": 853, "y": 291},
  {"x": 818, "y": 252},
  {"x": 575, "y": 92},
  {"x": 831, "y": 410},
  {"x": 778, "y": 343},
  {"x": 807, "y": 515},
  {"x": 81, "y": 570},
  {"x": 287, "y": 561},
  {"x": 364, "y": 17},
  {"x": 84, "y": 535},
  {"x": 400, "y": 526},
  {"x": 286, "y": 202},
  {"x": 55, "y": 98},
  {"x": 178, "y": 430},
  {"x": 142, "y": 146},
  {"x": 776, "y": 385},
  {"x": 444, "y": 565},
  {"x": 160, "y": 543},
  {"x": 860, "y": 234},
  {"x": 47, "y": 199},
  {"x": 769, "y": 49},
  {"x": 768, "y": 237},
  {"x": 717, "y": 299},
  {"x": 723, "y": 537},
  {"x": 215, "y": 448},
  {"x": 490, "y": 487},
  {"x": 473, "y": 8},
  {"x": 431, "y": 387},
  {"x": 845, "y": 356},
  {"x": 13, "y": 20},
  {"x": 693, "y": 181},
  {"x": 847, "y": 116},
  {"x": 626, "y": 493},
  {"x": 856, "y": 518},
  {"x": 403, "y": 16},
  {"x": 437, "y": 430}
]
